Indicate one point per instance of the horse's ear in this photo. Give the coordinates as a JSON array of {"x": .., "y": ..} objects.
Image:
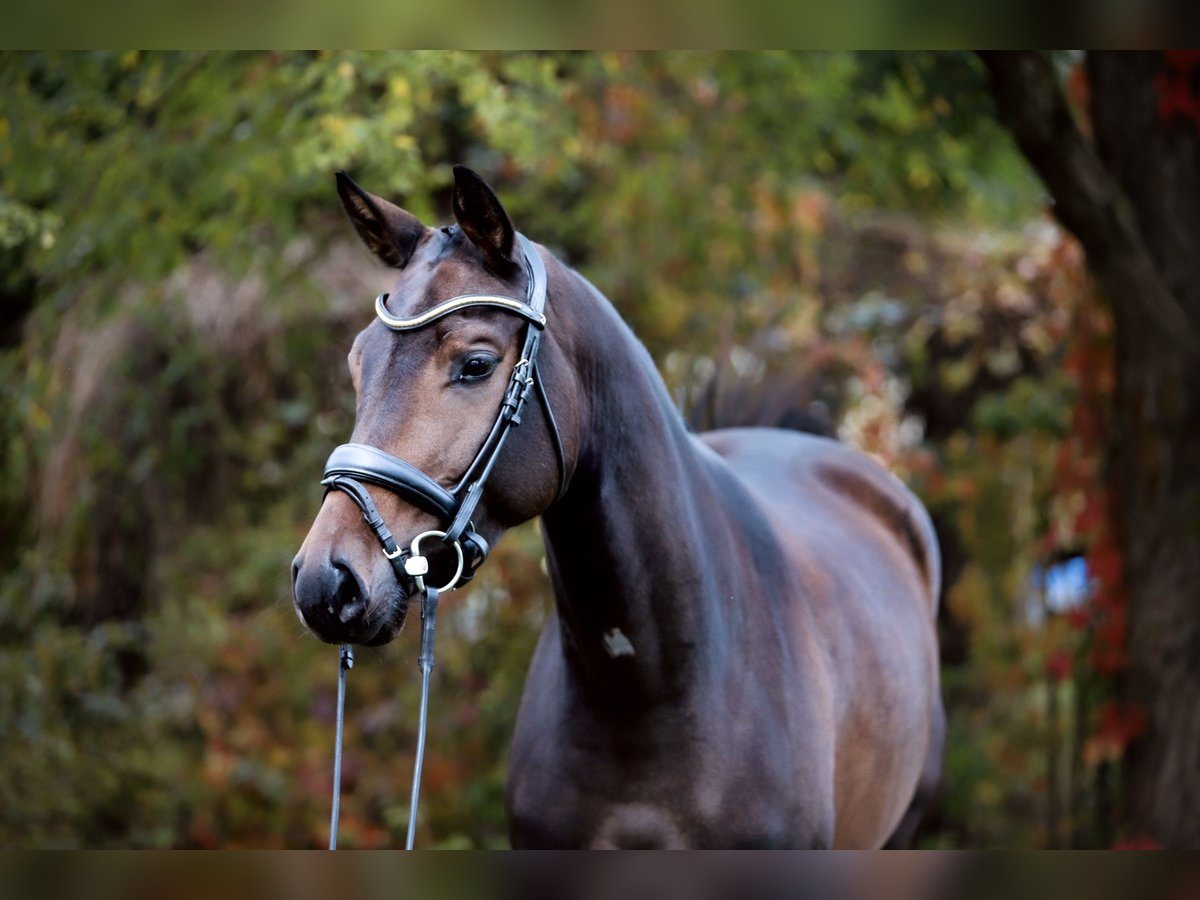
[
  {"x": 482, "y": 218},
  {"x": 388, "y": 231}
]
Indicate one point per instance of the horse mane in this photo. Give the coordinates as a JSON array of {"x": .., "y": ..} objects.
[
  {"x": 807, "y": 402},
  {"x": 785, "y": 399}
]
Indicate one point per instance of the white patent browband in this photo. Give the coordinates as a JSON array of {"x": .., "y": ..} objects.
[{"x": 396, "y": 323}]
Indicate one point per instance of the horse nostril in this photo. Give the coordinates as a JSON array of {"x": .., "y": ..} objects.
[
  {"x": 347, "y": 602},
  {"x": 332, "y": 602}
]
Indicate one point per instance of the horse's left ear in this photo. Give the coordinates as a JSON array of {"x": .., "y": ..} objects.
[
  {"x": 389, "y": 232},
  {"x": 482, "y": 218}
]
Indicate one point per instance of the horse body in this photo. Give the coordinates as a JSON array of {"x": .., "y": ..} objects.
[
  {"x": 754, "y": 666},
  {"x": 743, "y": 650}
]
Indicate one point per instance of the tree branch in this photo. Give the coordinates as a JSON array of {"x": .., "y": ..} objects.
[{"x": 1087, "y": 199}]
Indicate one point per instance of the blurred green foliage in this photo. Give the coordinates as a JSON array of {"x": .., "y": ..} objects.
[{"x": 179, "y": 290}]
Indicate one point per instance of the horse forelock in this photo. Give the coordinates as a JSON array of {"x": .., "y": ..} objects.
[{"x": 446, "y": 265}]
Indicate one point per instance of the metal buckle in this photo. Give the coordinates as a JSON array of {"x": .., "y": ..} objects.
[{"x": 420, "y": 564}]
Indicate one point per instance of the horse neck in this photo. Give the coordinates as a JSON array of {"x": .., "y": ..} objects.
[{"x": 634, "y": 590}]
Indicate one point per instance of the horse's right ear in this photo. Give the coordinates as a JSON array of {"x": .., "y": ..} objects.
[{"x": 388, "y": 231}]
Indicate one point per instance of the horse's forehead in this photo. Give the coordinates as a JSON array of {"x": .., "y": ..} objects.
[
  {"x": 430, "y": 279},
  {"x": 436, "y": 275}
]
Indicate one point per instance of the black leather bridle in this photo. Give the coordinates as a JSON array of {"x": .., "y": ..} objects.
[{"x": 353, "y": 466}]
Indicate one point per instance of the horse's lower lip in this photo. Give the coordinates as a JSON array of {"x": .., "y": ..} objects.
[
  {"x": 372, "y": 631},
  {"x": 352, "y": 633},
  {"x": 384, "y": 635}
]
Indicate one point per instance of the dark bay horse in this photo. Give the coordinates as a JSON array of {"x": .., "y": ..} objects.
[{"x": 743, "y": 652}]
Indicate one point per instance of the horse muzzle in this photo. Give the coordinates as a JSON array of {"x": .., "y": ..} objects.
[{"x": 333, "y": 602}]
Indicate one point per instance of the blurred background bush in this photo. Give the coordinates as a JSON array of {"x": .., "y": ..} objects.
[{"x": 851, "y": 237}]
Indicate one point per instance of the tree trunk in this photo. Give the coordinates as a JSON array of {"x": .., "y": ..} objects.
[{"x": 1132, "y": 197}]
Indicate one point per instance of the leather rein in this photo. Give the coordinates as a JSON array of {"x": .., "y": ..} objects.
[{"x": 353, "y": 466}]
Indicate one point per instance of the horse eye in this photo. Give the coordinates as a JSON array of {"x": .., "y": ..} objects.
[{"x": 476, "y": 368}]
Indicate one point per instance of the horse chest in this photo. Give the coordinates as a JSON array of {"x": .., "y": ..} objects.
[
  {"x": 687, "y": 776},
  {"x": 607, "y": 802}
]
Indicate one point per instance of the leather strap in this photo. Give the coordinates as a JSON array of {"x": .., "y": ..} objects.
[
  {"x": 454, "y": 304},
  {"x": 363, "y": 462},
  {"x": 374, "y": 520}
]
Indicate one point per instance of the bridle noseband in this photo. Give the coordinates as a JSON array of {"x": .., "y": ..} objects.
[
  {"x": 350, "y": 466},
  {"x": 353, "y": 466}
]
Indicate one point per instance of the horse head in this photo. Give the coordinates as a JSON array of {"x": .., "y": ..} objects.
[{"x": 430, "y": 373}]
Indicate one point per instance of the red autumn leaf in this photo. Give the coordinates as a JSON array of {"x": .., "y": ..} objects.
[
  {"x": 1073, "y": 362},
  {"x": 1120, "y": 722},
  {"x": 1079, "y": 617},
  {"x": 1104, "y": 563},
  {"x": 1175, "y": 97},
  {"x": 1107, "y": 661},
  {"x": 1090, "y": 517},
  {"x": 1112, "y": 632},
  {"x": 1059, "y": 665},
  {"x": 1116, "y": 726}
]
